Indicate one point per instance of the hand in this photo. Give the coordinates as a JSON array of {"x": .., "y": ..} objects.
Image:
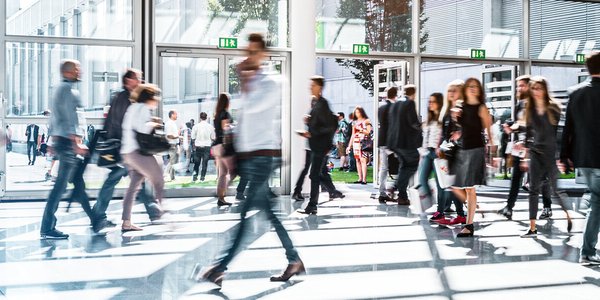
[{"x": 524, "y": 165}]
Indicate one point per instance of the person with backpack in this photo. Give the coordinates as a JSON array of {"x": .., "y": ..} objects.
[
  {"x": 322, "y": 124},
  {"x": 343, "y": 137}
]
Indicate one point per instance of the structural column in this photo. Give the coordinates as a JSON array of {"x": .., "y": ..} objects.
[{"x": 303, "y": 58}]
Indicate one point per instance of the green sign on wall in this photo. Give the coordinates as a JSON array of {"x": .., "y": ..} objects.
[
  {"x": 362, "y": 49},
  {"x": 228, "y": 43},
  {"x": 478, "y": 53},
  {"x": 580, "y": 58}
]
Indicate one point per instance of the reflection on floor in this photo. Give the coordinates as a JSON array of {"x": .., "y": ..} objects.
[{"x": 354, "y": 249}]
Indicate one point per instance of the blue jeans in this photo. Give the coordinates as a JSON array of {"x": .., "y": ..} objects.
[
  {"x": 426, "y": 168},
  {"x": 258, "y": 170},
  {"x": 106, "y": 192},
  {"x": 592, "y": 224},
  {"x": 68, "y": 166}
]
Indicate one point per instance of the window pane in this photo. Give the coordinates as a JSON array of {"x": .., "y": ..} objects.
[
  {"x": 384, "y": 25},
  {"x": 452, "y": 27},
  {"x": 33, "y": 72},
  {"x": 561, "y": 29},
  {"x": 202, "y": 22},
  {"x": 105, "y": 19}
]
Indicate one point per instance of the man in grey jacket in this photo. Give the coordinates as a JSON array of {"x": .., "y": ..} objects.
[{"x": 66, "y": 144}]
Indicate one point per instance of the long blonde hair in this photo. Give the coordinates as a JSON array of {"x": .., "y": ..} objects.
[{"x": 457, "y": 83}]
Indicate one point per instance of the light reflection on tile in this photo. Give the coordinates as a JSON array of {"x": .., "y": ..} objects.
[
  {"x": 516, "y": 274},
  {"x": 91, "y": 269},
  {"x": 448, "y": 251},
  {"x": 364, "y": 285},
  {"x": 366, "y": 222},
  {"x": 571, "y": 292},
  {"x": 344, "y": 236},
  {"x": 50, "y": 294},
  {"x": 200, "y": 228},
  {"x": 334, "y": 256},
  {"x": 516, "y": 246}
]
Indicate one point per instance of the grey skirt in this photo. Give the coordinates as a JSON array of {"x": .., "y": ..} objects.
[{"x": 469, "y": 167}]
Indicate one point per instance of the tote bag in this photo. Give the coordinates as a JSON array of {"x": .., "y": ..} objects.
[{"x": 442, "y": 170}]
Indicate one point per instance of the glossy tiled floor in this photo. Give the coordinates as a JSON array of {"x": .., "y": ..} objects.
[{"x": 354, "y": 248}]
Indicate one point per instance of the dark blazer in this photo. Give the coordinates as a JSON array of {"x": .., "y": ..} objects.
[
  {"x": 404, "y": 128},
  {"x": 581, "y": 135},
  {"x": 321, "y": 127},
  {"x": 34, "y": 130},
  {"x": 116, "y": 113},
  {"x": 382, "y": 114}
]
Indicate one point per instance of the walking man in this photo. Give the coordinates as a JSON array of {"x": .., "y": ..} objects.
[
  {"x": 581, "y": 140},
  {"x": 203, "y": 135},
  {"x": 172, "y": 133},
  {"x": 392, "y": 94},
  {"x": 404, "y": 137}
]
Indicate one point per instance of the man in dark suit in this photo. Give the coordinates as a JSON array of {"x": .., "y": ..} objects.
[
  {"x": 322, "y": 125},
  {"x": 32, "y": 134},
  {"x": 581, "y": 140},
  {"x": 404, "y": 137}
]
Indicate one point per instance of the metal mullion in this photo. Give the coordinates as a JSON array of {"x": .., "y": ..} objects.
[
  {"x": 2, "y": 92},
  {"x": 555, "y": 63},
  {"x": 372, "y": 55}
]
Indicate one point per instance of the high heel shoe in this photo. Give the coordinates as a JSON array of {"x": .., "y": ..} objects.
[
  {"x": 222, "y": 202},
  {"x": 291, "y": 270},
  {"x": 468, "y": 227}
]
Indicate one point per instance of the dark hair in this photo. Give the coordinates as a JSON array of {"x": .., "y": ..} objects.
[
  {"x": 171, "y": 112},
  {"x": 222, "y": 104},
  {"x": 145, "y": 92},
  {"x": 434, "y": 115},
  {"x": 593, "y": 63},
  {"x": 130, "y": 73},
  {"x": 318, "y": 80},
  {"x": 188, "y": 125},
  {"x": 410, "y": 90},
  {"x": 481, "y": 92},
  {"x": 362, "y": 113},
  {"x": 257, "y": 38},
  {"x": 525, "y": 78},
  {"x": 203, "y": 116},
  {"x": 341, "y": 114},
  {"x": 392, "y": 92},
  {"x": 550, "y": 105}
]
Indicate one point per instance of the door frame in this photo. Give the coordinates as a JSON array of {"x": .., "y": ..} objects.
[{"x": 224, "y": 55}]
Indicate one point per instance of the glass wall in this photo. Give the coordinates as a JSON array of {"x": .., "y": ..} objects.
[
  {"x": 561, "y": 29},
  {"x": 453, "y": 27},
  {"x": 104, "y": 19},
  {"x": 384, "y": 25},
  {"x": 202, "y": 22},
  {"x": 33, "y": 73}
]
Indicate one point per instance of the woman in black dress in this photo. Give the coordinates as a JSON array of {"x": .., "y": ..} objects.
[{"x": 473, "y": 117}]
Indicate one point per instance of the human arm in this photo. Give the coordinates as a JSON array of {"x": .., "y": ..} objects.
[{"x": 486, "y": 122}]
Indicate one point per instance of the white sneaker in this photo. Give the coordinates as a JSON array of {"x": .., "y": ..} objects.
[{"x": 589, "y": 259}]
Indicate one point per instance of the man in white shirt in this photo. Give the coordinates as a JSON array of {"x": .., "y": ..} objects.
[
  {"x": 203, "y": 135},
  {"x": 172, "y": 132}
]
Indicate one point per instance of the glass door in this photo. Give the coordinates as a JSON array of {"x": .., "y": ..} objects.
[{"x": 191, "y": 83}]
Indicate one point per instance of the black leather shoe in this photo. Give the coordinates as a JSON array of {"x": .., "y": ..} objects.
[
  {"x": 298, "y": 197},
  {"x": 335, "y": 195},
  {"x": 308, "y": 211},
  {"x": 291, "y": 270},
  {"x": 468, "y": 227},
  {"x": 507, "y": 212},
  {"x": 403, "y": 201},
  {"x": 222, "y": 202},
  {"x": 385, "y": 198},
  {"x": 208, "y": 274}
]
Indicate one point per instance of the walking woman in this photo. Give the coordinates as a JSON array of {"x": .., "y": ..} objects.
[
  {"x": 361, "y": 134},
  {"x": 223, "y": 148},
  {"x": 541, "y": 117},
  {"x": 432, "y": 132},
  {"x": 469, "y": 167},
  {"x": 450, "y": 132},
  {"x": 138, "y": 118}
]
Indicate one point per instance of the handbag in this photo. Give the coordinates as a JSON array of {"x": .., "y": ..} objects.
[
  {"x": 108, "y": 151},
  {"x": 366, "y": 144},
  {"x": 152, "y": 143},
  {"x": 442, "y": 171}
]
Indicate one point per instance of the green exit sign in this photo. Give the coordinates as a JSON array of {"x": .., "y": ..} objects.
[
  {"x": 228, "y": 43},
  {"x": 360, "y": 49},
  {"x": 477, "y": 53},
  {"x": 580, "y": 58}
]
